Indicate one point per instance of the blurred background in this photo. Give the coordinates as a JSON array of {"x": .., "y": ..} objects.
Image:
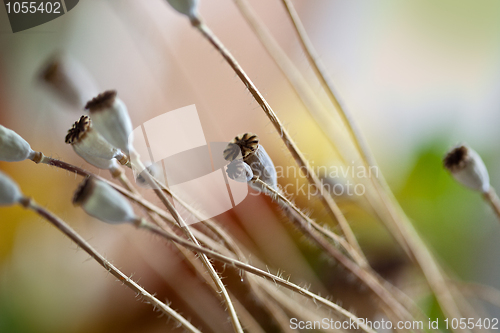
[{"x": 418, "y": 77}]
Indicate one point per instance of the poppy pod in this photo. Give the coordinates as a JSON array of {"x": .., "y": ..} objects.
[
  {"x": 467, "y": 167},
  {"x": 9, "y": 191},
  {"x": 111, "y": 119},
  {"x": 239, "y": 171},
  {"x": 13, "y": 147},
  {"x": 68, "y": 80},
  {"x": 98, "y": 162},
  {"x": 254, "y": 155},
  {"x": 101, "y": 201},
  {"x": 89, "y": 144}
]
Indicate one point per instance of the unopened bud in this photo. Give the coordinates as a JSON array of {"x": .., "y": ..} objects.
[
  {"x": 255, "y": 156},
  {"x": 88, "y": 143},
  {"x": 111, "y": 119},
  {"x": 467, "y": 167},
  {"x": 103, "y": 202},
  {"x": 13, "y": 147},
  {"x": 9, "y": 191}
]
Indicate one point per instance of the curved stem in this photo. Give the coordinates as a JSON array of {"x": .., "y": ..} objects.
[
  {"x": 254, "y": 270},
  {"x": 164, "y": 199},
  {"x": 369, "y": 279},
  {"x": 82, "y": 243},
  {"x": 308, "y": 221},
  {"x": 400, "y": 226},
  {"x": 299, "y": 157},
  {"x": 187, "y": 231}
]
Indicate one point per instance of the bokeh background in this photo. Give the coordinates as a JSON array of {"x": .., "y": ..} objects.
[{"x": 418, "y": 77}]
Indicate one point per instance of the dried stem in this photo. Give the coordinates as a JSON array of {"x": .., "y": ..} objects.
[
  {"x": 188, "y": 256},
  {"x": 326, "y": 82},
  {"x": 211, "y": 270},
  {"x": 369, "y": 279},
  {"x": 361, "y": 261},
  {"x": 325, "y": 197},
  {"x": 492, "y": 198},
  {"x": 401, "y": 225},
  {"x": 75, "y": 237},
  {"x": 253, "y": 270},
  {"x": 146, "y": 204},
  {"x": 304, "y": 92},
  {"x": 256, "y": 286}
]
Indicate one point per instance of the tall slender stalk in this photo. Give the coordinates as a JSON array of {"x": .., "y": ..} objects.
[
  {"x": 323, "y": 118},
  {"x": 234, "y": 318},
  {"x": 82, "y": 243},
  {"x": 299, "y": 157},
  {"x": 400, "y": 224},
  {"x": 185, "y": 228},
  {"x": 298, "y": 82},
  {"x": 368, "y": 278}
]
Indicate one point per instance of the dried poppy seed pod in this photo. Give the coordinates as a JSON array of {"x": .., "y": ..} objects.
[
  {"x": 467, "y": 167},
  {"x": 68, "y": 80},
  {"x": 255, "y": 156},
  {"x": 98, "y": 162},
  {"x": 101, "y": 201},
  {"x": 186, "y": 7},
  {"x": 111, "y": 120},
  {"x": 87, "y": 142},
  {"x": 9, "y": 191},
  {"x": 13, "y": 148},
  {"x": 239, "y": 171}
]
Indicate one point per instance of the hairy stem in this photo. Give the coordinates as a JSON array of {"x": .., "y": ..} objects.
[
  {"x": 82, "y": 243},
  {"x": 146, "y": 204},
  {"x": 253, "y": 270},
  {"x": 400, "y": 225},
  {"x": 299, "y": 157},
  {"x": 182, "y": 224},
  {"x": 369, "y": 279}
]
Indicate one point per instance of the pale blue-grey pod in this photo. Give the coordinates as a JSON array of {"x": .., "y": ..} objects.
[
  {"x": 185, "y": 7},
  {"x": 103, "y": 202},
  {"x": 111, "y": 119},
  {"x": 91, "y": 145},
  {"x": 253, "y": 154},
  {"x": 467, "y": 167},
  {"x": 9, "y": 191},
  {"x": 13, "y": 147},
  {"x": 239, "y": 171}
]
